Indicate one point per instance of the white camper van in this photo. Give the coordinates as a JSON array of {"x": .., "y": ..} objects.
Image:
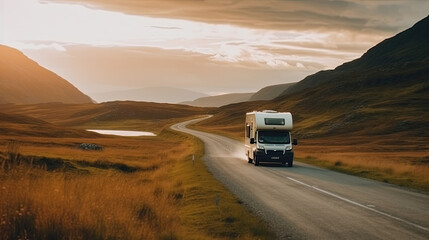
[{"x": 268, "y": 137}]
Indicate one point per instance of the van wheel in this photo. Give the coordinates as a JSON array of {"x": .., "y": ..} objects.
[
  {"x": 255, "y": 161},
  {"x": 290, "y": 163},
  {"x": 250, "y": 160}
]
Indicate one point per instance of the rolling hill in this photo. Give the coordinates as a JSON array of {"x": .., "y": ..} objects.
[
  {"x": 385, "y": 92},
  {"x": 150, "y": 94},
  {"x": 13, "y": 125},
  {"x": 23, "y": 81},
  {"x": 71, "y": 115},
  {"x": 219, "y": 100}
]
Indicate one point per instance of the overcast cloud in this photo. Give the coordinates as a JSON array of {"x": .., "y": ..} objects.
[{"x": 354, "y": 15}]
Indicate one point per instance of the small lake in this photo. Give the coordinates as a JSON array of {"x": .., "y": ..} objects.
[{"x": 122, "y": 133}]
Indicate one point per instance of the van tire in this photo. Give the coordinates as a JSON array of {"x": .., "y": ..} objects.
[
  {"x": 290, "y": 163},
  {"x": 250, "y": 160},
  {"x": 255, "y": 161}
]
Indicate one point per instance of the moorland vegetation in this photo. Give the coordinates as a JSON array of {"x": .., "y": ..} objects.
[{"x": 134, "y": 188}]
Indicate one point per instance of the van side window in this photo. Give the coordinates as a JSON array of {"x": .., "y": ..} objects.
[
  {"x": 248, "y": 131},
  {"x": 274, "y": 121}
]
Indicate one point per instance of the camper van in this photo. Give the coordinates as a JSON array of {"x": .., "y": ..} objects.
[{"x": 268, "y": 137}]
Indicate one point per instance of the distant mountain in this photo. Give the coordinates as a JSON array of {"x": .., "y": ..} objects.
[
  {"x": 220, "y": 100},
  {"x": 150, "y": 94},
  {"x": 23, "y": 81},
  {"x": 270, "y": 92},
  {"x": 266, "y": 93},
  {"x": 384, "y": 92}
]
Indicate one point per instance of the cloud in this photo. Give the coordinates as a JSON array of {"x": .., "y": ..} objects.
[
  {"x": 279, "y": 34},
  {"x": 219, "y": 42},
  {"x": 356, "y": 15},
  {"x": 39, "y": 45},
  {"x": 139, "y": 67}
]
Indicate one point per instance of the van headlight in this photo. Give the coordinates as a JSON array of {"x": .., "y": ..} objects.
[
  {"x": 260, "y": 147},
  {"x": 288, "y": 148}
]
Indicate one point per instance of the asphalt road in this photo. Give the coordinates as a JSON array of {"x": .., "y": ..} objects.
[{"x": 306, "y": 202}]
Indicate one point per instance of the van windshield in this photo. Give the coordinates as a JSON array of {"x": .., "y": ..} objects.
[{"x": 268, "y": 136}]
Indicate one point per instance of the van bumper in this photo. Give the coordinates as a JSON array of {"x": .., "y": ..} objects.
[{"x": 274, "y": 156}]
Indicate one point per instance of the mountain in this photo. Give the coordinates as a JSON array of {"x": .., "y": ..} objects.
[
  {"x": 383, "y": 93},
  {"x": 408, "y": 50},
  {"x": 270, "y": 92},
  {"x": 23, "y": 81},
  {"x": 220, "y": 100},
  {"x": 266, "y": 93},
  {"x": 150, "y": 94}
]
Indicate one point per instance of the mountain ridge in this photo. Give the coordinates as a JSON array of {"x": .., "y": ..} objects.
[
  {"x": 23, "y": 81},
  {"x": 219, "y": 100},
  {"x": 270, "y": 92},
  {"x": 406, "y": 47},
  {"x": 267, "y": 93},
  {"x": 150, "y": 94}
]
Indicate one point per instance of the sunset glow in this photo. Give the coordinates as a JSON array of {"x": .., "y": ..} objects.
[
  {"x": 51, "y": 31},
  {"x": 59, "y": 25}
]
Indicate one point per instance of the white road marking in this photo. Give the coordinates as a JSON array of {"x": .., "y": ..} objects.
[{"x": 359, "y": 205}]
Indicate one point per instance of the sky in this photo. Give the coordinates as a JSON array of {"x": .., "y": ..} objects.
[{"x": 212, "y": 46}]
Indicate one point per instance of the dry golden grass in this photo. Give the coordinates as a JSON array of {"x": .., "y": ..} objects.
[
  {"x": 135, "y": 188},
  {"x": 81, "y": 200},
  {"x": 43, "y": 205},
  {"x": 396, "y": 163},
  {"x": 208, "y": 210}
]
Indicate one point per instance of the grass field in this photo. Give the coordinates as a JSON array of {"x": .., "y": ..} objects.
[
  {"x": 134, "y": 188},
  {"x": 379, "y": 158}
]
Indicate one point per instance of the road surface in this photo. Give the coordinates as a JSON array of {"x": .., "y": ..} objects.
[{"x": 306, "y": 202}]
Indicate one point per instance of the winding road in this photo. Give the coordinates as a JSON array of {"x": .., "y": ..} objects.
[{"x": 306, "y": 202}]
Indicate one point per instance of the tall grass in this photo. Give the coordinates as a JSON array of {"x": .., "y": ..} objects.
[
  {"x": 378, "y": 166},
  {"x": 49, "y": 189},
  {"x": 41, "y": 204}
]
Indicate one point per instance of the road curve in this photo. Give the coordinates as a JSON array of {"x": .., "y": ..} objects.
[{"x": 306, "y": 202}]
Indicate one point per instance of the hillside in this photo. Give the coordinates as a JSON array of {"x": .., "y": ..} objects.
[
  {"x": 23, "y": 81},
  {"x": 405, "y": 53},
  {"x": 21, "y": 125},
  {"x": 78, "y": 114},
  {"x": 220, "y": 100},
  {"x": 266, "y": 93},
  {"x": 384, "y": 92},
  {"x": 270, "y": 92}
]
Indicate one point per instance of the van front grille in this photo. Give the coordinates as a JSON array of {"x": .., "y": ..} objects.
[{"x": 275, "y": 153}]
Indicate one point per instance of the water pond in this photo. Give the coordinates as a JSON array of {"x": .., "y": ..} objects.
[{"x": 122, "y": 133}]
